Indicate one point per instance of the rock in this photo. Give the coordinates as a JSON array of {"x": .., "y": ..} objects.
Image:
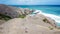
[
  {"x": 37, "y": 24},
  {"x": 38, "y": 19},
  {"x": 28, "y": 25},
  {"x": 27, "y": 11},
  {"x": 13, "y": 12},
  {"x": 2, "y": 21},
  {"x": 58, "y": 27},
  {"x": 21, "y": 27},
  {"x": 9, "y": 11}
]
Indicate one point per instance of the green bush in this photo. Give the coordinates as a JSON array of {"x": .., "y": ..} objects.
[
  {"x": 45, "y": 20},
  {"x": 51, "y": 28},
  {"x": 22, "y": 16},
  {"x": 4, "y": 17}
]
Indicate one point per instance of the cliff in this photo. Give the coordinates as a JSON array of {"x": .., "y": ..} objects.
[
  {"x": 30, "y": 25},
  {"x": 37, "y": 24},
  {"x": 13, "y": 12},
  {"x": 9, "y": 12}
]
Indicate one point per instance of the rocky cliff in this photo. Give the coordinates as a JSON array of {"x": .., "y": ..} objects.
[
  {"x": 37, "y": 24},
  {"x": 13, "y": 12},
  {"x": 9, "y": 12}
]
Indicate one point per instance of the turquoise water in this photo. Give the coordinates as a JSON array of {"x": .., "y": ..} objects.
[
  {"x": 47, "y": 9},
  {"x": 52, "y": 11}
]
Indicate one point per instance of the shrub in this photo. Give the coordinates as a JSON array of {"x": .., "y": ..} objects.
[
  {"x": 51, "y": 28},
  {"x": 45, "y": 20},
  {"x": 22, "y": 16},
  {"x": 4, "y": 17}
]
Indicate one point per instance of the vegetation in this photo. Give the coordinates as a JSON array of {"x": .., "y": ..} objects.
[
  {"x": 45, "y": 20},
  {"x": 51, "y": 28},
  {"x": 4, "y": 17},
  {"x": 22, "y": 16}
]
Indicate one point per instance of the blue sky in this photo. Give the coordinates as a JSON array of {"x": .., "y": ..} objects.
[{"x": 30, "y": 2}]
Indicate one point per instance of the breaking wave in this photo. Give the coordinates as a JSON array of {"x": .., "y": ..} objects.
[{"x": 55, "y": 17}]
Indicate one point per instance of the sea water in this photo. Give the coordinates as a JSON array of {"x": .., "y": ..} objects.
[{"x": 52, "y": 11}]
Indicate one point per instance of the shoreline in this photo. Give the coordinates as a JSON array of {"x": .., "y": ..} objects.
[{"x": 27, "y": 21}]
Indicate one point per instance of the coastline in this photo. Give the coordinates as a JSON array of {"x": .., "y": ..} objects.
[{"x": 27, "y": 21}]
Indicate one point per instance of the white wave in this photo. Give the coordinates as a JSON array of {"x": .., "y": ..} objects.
[
  {"x": 55, "y": 17},
  {"x": 37, "y": 11}
]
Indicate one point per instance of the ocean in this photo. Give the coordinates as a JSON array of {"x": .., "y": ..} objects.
[{"x": 52, "y": 11}]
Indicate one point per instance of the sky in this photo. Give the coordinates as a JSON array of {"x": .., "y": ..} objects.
[{"x": 30, "y": 2}]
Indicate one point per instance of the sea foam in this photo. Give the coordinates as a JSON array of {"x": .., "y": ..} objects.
[{"x": 54, "y": 17}]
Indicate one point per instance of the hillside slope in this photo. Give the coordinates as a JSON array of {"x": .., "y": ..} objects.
[{"x": 29, "y": 25}]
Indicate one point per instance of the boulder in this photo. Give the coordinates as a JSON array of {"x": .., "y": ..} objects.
[
  {"x": 9, "y": 11},
  {"x": 27, "y": 11},
  {"x": 2, "y": 21},
  {"x": 41, "y": 20},
  {"x": 29, "y": 25},
  {"x": 13, "y": 12}
]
